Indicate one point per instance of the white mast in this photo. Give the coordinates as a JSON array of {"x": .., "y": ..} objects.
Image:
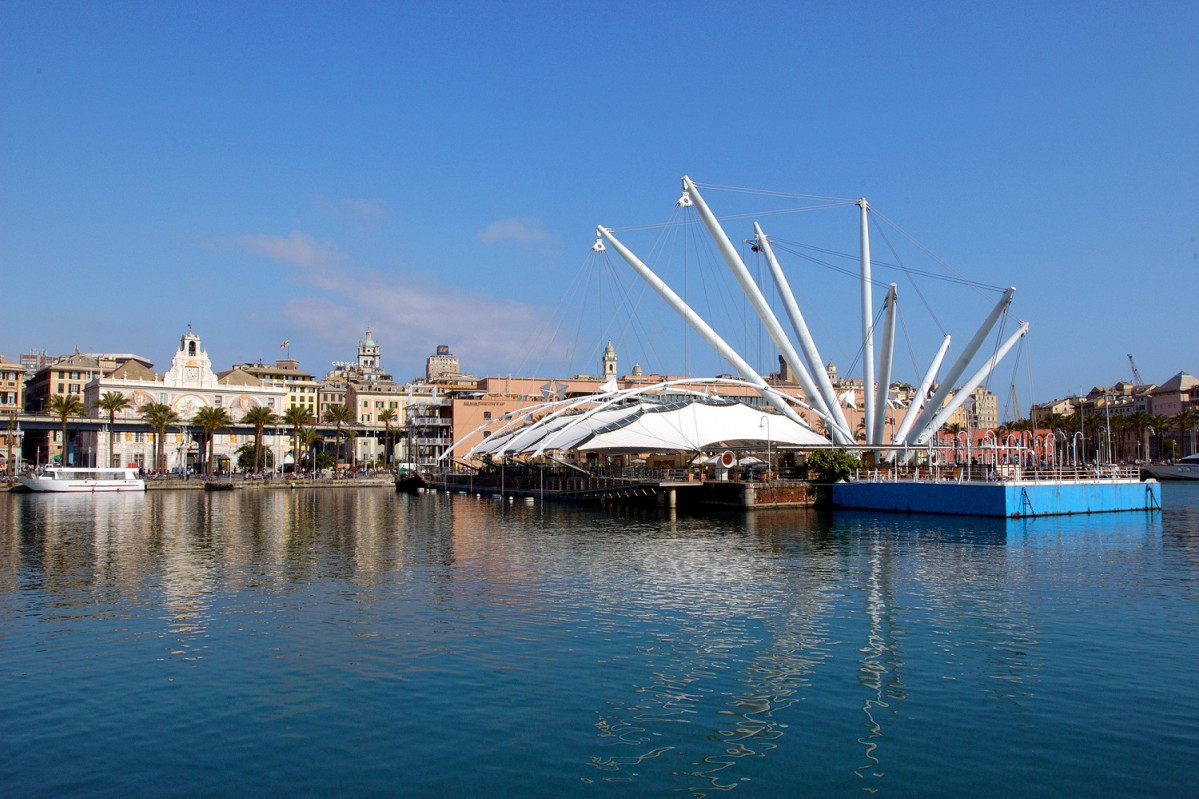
[
  {"x": 806, "y": 343},
  {"x": 921, "y": 392},
  {"x": 884, "y": 370},
  {"x": 922, "y": 426},
  {"x": 754, "y": 294},
  {"x": 703, "y": 328},
  {"x": 969, "y": 386},
  {"x": 867, "y": 328}
]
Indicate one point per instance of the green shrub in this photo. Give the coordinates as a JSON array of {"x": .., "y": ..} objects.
[{"x": 833, "y": 465}]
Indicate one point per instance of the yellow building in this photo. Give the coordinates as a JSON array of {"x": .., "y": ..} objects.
[{"x": 12, "y": 401}]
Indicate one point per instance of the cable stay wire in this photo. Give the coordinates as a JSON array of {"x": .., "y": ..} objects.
[
  {"x": 915, "y": 285},
  {"x": 945, "y": 264},
  {"x": 770, "y": 193},
  {"x": 961, "y": 281}
]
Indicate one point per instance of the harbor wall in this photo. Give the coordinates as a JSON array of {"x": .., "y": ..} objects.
[{"x": 1000, "y": 499}]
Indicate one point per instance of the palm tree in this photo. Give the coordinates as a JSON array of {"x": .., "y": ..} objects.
[
  {"x": 1140, "y": 420},
  {"x": 158, "y": 416},
  {"x": 64, "y": 406},
  {"x": 387, "y": 417},
  {"x": 338, "y": 414},
  {"x": 1186, "y": 419},
  {"x": 210, "y": 420},
  {"x": 308, "y": 438},
  {"x": 298, "y": 417},
  {"x": 110, "y": 403},
  {"x": 1160, "y": 423},
  {"x": 261, "y": 417}
]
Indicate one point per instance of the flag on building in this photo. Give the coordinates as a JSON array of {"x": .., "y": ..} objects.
[{"x": 283, "y": 346}]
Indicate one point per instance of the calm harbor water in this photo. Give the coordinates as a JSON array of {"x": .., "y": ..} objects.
[{"x": 360, "y": 642}]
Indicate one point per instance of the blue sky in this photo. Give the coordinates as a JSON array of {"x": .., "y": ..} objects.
[{"x": 274, "y": 171}]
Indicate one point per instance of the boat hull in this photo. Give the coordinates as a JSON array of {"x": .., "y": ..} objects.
[
  {"x": 1178, "y": 471},
  {"x": 48, "y": 486}
]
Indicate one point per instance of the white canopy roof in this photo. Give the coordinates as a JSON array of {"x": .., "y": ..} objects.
[
  {"x": 645, "y": 426},
  {"x": 701, "y": 426}
]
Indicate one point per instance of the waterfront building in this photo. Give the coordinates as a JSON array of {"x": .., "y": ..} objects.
[
  {"x": 441, "y": 364},
  {"x": 980, "y": 412},
  {"x": 367, "y": 389},
  {"x": 12, "y": 402},
  {"x": 64, "y": 376},
  {"x": 302, "y": 388},
  {"x": 32, "y": 361},
  {"x": 188, "y": 386},
  {"x": 69, "y": 374},
  {"x": 12, "y": 387},
  {"x": 1174, "y": 395}
]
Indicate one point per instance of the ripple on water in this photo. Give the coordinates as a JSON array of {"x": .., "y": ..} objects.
[{"x": 309, "y": 640}]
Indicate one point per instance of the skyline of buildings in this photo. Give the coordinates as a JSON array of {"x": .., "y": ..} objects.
[{"x": 420, "y": 419}]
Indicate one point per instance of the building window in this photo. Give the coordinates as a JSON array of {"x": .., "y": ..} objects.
[
  {"x": 486, "y": 414},
  {"x": 217, "y": 401}
]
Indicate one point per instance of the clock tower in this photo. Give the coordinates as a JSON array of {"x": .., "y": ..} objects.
[{"x": 191, "y": 367}]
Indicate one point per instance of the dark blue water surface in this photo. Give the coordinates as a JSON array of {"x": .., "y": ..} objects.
[{"x": 359, "y": 642}]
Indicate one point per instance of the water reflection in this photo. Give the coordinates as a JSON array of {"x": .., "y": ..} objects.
[{"x": 678, "y": 652}]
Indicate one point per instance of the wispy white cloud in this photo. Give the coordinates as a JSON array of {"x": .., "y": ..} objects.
[
  {"x": 412, "y": 315},
  {"x": 523, "y": 230},
  {"x": 298, "y": 249}
]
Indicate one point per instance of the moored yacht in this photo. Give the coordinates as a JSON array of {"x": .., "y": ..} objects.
[
  {"x": 60, "y": 479},
  {"x": 1183, "y": 469}
]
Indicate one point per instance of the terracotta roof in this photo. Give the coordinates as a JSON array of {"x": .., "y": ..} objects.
[
  {"x": 238, "y": 377},
  {"x": 134, "y": 370}
]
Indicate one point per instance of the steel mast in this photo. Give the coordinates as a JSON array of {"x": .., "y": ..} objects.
[
  {"x": 922, "y": 425},
  {"x": 867, "y": 327},
  {"x": 702, "y": 328},
  {"x": 806, "y": 343},
  {"x": 761, "y": 307},
  {"x": 975, "y": 380},
  {"x": 884, "y": 371}
]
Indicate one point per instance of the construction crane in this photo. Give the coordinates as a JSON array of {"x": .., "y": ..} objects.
[{"x": 1136, "y": 376}]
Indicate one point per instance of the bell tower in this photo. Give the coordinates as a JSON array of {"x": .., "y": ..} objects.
[
  {"x": 368, "y": 354},
  {"x": 609, "y": 362}
]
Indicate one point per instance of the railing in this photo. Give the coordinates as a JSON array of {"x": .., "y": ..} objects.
[{"x": 976, "y": 473}]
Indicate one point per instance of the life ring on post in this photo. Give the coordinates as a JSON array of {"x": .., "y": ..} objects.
[{"x": 727, "y": 459}]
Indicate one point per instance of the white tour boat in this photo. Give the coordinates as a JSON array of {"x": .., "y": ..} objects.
[
  {"x": 1183, "y": 469},
  {"x": 61, "y": 479}
]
